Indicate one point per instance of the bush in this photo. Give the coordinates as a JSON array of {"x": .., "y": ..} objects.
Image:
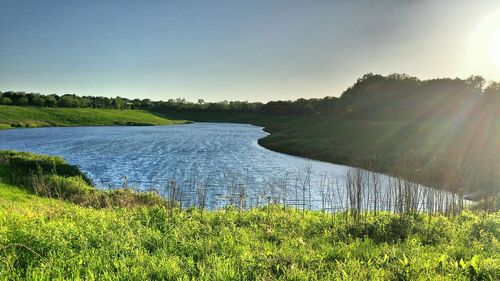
[{"x": 49, "y": 176}]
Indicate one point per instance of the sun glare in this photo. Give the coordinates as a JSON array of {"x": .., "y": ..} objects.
[
  {"x": 494, "y": 45},
  {"x": 483, "y": 57}
]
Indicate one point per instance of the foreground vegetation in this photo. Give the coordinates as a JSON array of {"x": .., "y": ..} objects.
[
  {"x": 45, "y": 238},
  {"x": 30, "y": 117},
  {"x": 48, "y": 239}
]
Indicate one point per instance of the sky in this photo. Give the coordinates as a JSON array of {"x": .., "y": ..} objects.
[{"x": 239, "y": 50}]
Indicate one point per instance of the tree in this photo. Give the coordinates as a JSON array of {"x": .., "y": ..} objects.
[
  {"x": 476, "y": 82},
  {"x": 5, "y": 101},
  {"x": 146, "y": 103},
  {"x": 22, "y": 101},
  {"x": 118, "y": 103},
  {"x": 85, "y": 102},
  {"x": 67, "y": 101},
  {"x": 492, "y": 90},
  {"x": 37, "y": 101},
  {"x": 50, "y": 101}
]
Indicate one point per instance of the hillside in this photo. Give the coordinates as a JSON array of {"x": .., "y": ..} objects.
[
  {"x": 28, "y": 117},
  {"x": 463, "y": 158}
]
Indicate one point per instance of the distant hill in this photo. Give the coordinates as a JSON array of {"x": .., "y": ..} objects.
[{"x": 29, "y": 117}]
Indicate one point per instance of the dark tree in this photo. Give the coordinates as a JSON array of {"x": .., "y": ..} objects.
[{"x": 5, "y": 101}]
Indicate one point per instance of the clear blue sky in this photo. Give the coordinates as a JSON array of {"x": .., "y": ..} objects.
[{"x": 236, "y": 50}]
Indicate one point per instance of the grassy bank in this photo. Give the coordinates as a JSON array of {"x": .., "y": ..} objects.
[
  {"x": 335, "y": 140},
  {"x": 46, "y": 238},
  {"x": 52, "y": 177},
  {"x": 431, "y": 152},
  {"x": 30, "y": 117}
]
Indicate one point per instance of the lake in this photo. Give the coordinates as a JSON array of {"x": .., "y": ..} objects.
[{"x": 222, "y": 160}]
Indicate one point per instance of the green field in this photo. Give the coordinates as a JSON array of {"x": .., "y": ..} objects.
[
  {"x": 53, "y": 239},
  {"x": 29, "y": 117}
]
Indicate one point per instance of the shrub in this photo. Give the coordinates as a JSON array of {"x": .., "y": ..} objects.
[{"x": 52, "y": 177}]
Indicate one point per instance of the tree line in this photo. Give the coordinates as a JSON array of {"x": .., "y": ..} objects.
[{"x": 372, "y": 96}]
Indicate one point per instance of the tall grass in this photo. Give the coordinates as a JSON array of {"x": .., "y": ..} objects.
[
  {"x": 154, "y": 243},
  {"x": 355, "y": 193},
  {"x": 128, "y": 235}
]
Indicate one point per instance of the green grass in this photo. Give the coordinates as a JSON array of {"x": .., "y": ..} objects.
[
  {"x": 426, "y": 152},
  {"x": 49, "y": 176},
  {"x": 16, "y": 116},
  {"x": 49, "y": 239},
  {"x": 46, "y": 239}
]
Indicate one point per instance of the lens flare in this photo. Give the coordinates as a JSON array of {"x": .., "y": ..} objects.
[
  {"x": 483, "y": 56},
  {"x": 494, "y": 46}
]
